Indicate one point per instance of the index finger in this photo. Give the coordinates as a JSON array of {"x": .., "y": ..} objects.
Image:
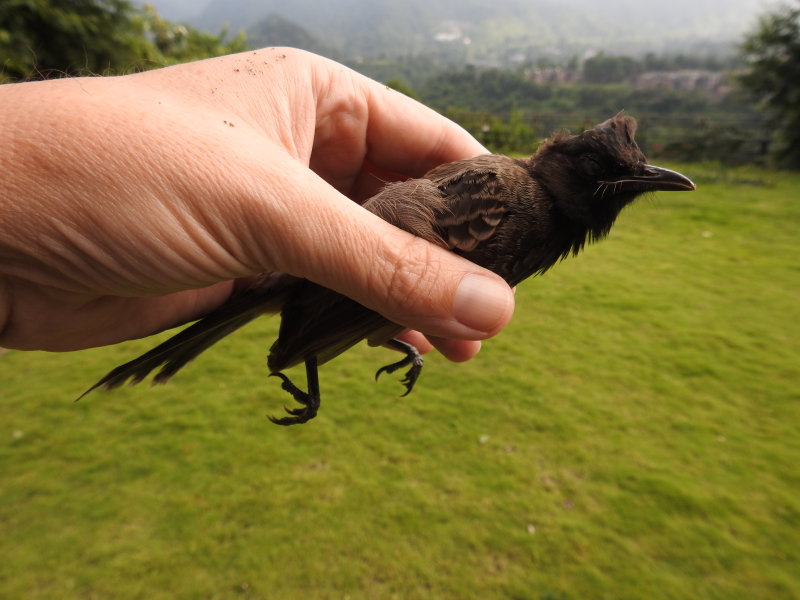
[{"x": 405, "y": 136}]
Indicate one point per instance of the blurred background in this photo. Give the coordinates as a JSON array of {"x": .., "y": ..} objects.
[
  {"x": 700, "y": 74},
  {"x": 633, "y": 433}
]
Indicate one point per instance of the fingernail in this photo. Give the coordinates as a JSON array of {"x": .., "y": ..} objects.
[{"x": 482, "y": 303}]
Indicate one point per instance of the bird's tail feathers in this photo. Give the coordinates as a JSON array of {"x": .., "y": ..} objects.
[
  {"x": 172, "y": 354},
  {"x": 180, "y": 349}
]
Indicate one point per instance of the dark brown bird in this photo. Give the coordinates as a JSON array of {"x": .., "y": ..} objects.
[{"x": 516, "y": 217}]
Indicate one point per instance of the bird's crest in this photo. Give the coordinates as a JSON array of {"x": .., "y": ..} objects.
[{"x": 614, "y": 136}]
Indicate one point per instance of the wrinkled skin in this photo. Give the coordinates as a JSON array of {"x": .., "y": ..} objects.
[{"x": 131, "y": 204}]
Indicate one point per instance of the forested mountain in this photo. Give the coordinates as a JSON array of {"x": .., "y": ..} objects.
[
  {"x": 496, "y": 32},
  {"x": 512, "y": 71}
]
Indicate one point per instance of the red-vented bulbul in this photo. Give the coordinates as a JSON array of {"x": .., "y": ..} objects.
[{"x": 516, "y": 217}]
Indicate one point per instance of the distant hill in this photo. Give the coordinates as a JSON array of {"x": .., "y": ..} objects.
[
  {"x": 275, "y": 30},
  {"x": 493, "y": 31}
]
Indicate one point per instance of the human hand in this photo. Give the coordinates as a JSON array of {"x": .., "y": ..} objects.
[{"x": 131, "y": 204}]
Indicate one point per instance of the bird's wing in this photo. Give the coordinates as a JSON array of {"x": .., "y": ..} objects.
[
  {"x": 474, "y": 202},
  {"x": 488, "y": 213},
  {"x": 457, "y": 205}
]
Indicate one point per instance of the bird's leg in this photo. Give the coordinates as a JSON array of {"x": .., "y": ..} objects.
[
  {"x": 309, "y": 400},
  {"x": 412, "y": 357}
]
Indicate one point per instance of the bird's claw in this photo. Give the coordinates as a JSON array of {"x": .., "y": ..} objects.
[
  {"x": 411, "y": 378},
  {"x": 308, "y": 410},
  {"x": 412, "y": 358}
]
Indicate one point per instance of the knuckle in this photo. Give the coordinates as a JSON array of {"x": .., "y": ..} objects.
[{"x": 407, "y": 276}]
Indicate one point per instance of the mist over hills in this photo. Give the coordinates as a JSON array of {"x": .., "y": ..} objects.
[{"x": 491, "y": 31}]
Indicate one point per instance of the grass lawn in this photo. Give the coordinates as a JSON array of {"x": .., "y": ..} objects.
[{"x": 633, "y": 434}]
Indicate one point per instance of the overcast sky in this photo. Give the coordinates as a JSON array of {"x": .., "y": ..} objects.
[{"x": 720, "y": 20}]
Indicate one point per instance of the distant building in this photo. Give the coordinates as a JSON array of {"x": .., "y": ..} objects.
[
  {"x": 542, "y": 76},
  {"x": 711, "y": 82}
]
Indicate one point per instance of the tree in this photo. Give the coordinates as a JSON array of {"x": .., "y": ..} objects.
[
  {"x": 41, "y": 37},
  {"x": 400, "y": 86},
  {"x": 604, "y": 68},
  {"x": 180, "y": 43},
  {"x": 47, "y": 38},
  {"x": 772, "y": 53}
]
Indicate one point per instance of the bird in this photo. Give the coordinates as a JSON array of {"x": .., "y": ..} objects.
[{"x": 514, "y": 216}]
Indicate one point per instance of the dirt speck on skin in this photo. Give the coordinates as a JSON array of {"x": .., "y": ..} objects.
[{"x": 229, "y": 124}]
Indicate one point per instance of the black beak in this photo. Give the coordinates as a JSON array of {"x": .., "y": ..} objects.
[{"x": 651, "y": 179}]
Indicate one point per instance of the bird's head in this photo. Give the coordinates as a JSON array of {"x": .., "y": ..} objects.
[{"x": 593, "y": 175}]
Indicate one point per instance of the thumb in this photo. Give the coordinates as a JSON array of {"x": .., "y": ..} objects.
[{"x": 408, "y": 280}]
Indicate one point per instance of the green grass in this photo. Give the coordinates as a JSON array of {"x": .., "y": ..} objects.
[{"x": 633, "y": 434}]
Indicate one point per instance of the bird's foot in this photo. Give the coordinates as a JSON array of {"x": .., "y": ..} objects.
[
  {"x": 309, "y": 400},
  {"x": 412, "y": 357}
]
